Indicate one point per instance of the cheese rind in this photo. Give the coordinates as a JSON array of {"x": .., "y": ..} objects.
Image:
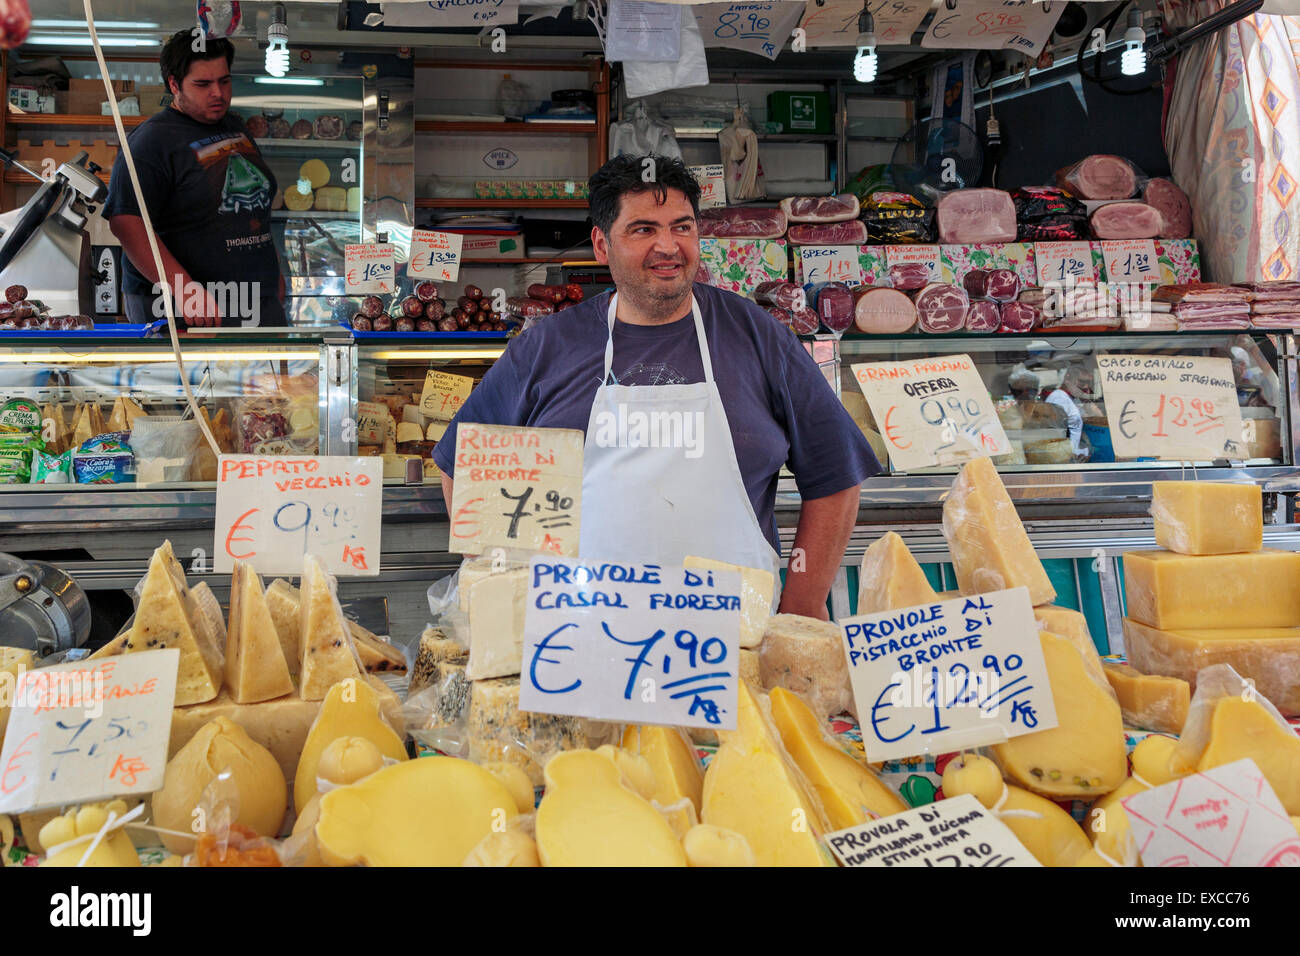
[
  {"x": 329, "y": 655},
  {"x": 990, "y": 548},
  {"x": 757, "y": 588},
  {"x": 283, "y": 602},
  {"x": 499, "y": 730},
  {"x": 255, "y": 665},
  {"x": 806, "y": 656},
  {"x": 1177, "y": 591},
  {"x": 1205, "y": 517},
  {"x": 434, "y": 648},
  {"x": 1149, "y": 701},
  {"x": 890, "y": 578}
]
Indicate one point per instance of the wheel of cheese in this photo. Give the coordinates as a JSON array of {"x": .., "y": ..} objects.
[
  {"x": 331, "y": 199},
  {"x": 316, "y": 172},
  {"x": 297, "y": 201}
]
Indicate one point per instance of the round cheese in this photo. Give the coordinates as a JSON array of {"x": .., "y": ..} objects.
[
  {"x": 316, "y": 172},
  {"x": 298, "y": 201}
]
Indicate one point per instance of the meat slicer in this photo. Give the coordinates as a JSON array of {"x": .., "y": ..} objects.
[
  {"x": 41, "y": 607},
  {"x": 45, "y": 246}
]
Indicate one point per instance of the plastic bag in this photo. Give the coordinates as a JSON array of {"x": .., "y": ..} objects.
[
  {"x": 641, "y": 135},
  {"x": 1212, "y": 683},
  {"x": 513, "y": 97},
  {"x": 166, "y": 448},
  {"x": 895, "y": 217},
  {"x": 1102, "y": 176},
  {"x": 741, "y": 169},
  {"x": 691, "y": 68}
]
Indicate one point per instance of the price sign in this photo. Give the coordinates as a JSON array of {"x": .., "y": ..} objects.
[
  {"x": 368, "y": 268},
  {"x": 1176, "y": 408},
  {"x": 451, "y": 13},
  {"x": 1060, "y": 261},
  {"x": 637, "y": 644},
  {"x": 948, "y": 675},
  {"x": 444, "y": 394},
  {"x": 830, "y": 264},
  {"x": 835, "y": 23},
  {"x": 932, "y": 411},
  {"x": 89, "y": 730},
  {"x": 712, "y": 185},
  {"x": 1131, "y": 260},
  {"x": 761, "y": 28},
  {"x": 927, "y": 255},
  {"x": 957, "y": 831},
  {"x": 516, "y": 488},
  {"x": 993, "y": 25},
  {"x": 435, "y": 255},
  {"x": 272, "y": 510}
]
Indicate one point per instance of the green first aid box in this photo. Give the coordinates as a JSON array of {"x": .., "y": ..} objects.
[{"x": 800, "y": 112}]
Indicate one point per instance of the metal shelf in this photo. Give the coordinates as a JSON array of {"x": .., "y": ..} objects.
[
  {"x": 69, "y": 119},
  {"x": 490, "y": 127},
  {"x": 501, "y": 204}
]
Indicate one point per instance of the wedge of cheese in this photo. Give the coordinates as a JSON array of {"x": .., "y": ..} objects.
[
  {"x": 1243, "y": 728},
  {"x": 990, "y": 549},
  {"x": 1177, "y": 591},
  {"x": 678, "y": 776},
  {"x": 496, "y": 624},
  {"x": 1148, "y": 701},
  {"x": 352, "y": 708},
  {"x": 890, "y": 578},
  {"x": 757, "y": 588},
  {"x": 1073, "y": 626},
  {"x": 328, "y": 653},
  {"x": 1206, "y": 517},
  {"x": 283, "y": 603},
  {"x": 255, "y": 665},
  {"x": 162, "y": 620}
]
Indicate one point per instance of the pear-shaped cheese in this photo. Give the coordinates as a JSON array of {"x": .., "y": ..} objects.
[
  {"x": 115, "y": 849},
  {"x": 589, "y": 817},
  {"x": 351, "y": 709},
  {"x": 328, "y": 654},
  {"x": 255, "y": 665},
  {"x": 890, "y": 578},
  {"x": 1243, "y": 728},
  {"x": 346, "y": 760},
  {"x": 707, "y": 845},
  {"x": 1107, "y": 823},
  {"x": 1084, "y": 755}
]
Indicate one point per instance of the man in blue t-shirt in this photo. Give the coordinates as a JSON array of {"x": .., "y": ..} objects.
[{"x": 749, "y": 397}]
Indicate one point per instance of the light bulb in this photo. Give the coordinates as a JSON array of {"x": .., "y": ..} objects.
[
  {"x": 865, "y": 61},
  {"x": 277, "y": 58},
  {"x": 1133, "y": 61}
]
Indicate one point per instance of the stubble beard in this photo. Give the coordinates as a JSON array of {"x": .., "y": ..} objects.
[{"x": 652, "y": 300}]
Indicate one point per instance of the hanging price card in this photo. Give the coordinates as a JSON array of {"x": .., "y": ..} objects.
[
  {"x": 761, "y": 28},
  {"x": 444, "y": 394},
  {"x": 637, "y": 644},
  {"x": 435, "y": 255},
  {"x": 926, "y": 255},
  {"x": 89, "y": 730},
  {"x": 1059, "y": 261},
  {"x": 993, "y": 25},
  {"x": 835, "y": 22},
  {"x": 272, "y": 510},
  {"x": 948, "y": 675},
  {"x": 932, "y": 411},
  {"x": 368, "y": 268},
  {"x": 1175, "y": 408},
  {"x": 830, "y": 264},
  {"x": 1131, "y": 260},
  {"x": 516, "y": 488},
  {"x": 713, "y": 191}
]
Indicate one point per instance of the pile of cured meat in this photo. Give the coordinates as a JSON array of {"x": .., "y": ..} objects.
[{"x": 1201, "y": 306}]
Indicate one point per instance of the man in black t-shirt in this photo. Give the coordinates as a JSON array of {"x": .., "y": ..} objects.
[{"x": 209, "y": 195}]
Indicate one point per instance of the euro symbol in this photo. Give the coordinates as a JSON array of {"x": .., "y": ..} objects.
[
  {"x": 1126, "y": 416},
  {"x": 889, "y": 429},
  {"x": 240, "y": 526},
  {"x": 545, "y": 644}
]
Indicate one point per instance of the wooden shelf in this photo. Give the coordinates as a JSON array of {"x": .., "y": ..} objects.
[
  {"x": 70, "y": 119},
  {"x": 487, "y": 128},
  {"x": 501, "y": 204}
]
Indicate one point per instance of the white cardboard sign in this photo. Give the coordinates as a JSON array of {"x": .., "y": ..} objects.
[
  {"x": 435, "y": 255},
  {"x": 993, "y": 25},
  {"x": 761, "y": 28},
  {"x": 450, "y": 13},
  {"x": 368, "y": 268}
]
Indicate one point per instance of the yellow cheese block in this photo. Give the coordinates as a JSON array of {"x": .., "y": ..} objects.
[
  {"x": 752, "y": 787},
  {"x": 505, "y": 848},
  {"x": 162, "y": 620},
  {"x": 516, "y": 781},
  {"x": 990, "y": 549},
  {"x": 588, "y": 817},
  {"x": 1205, "y": 517},
  {"x": 707, "y": 845},
  {"x": 427, "y": 812},
  {"x": 255, "y": 665},
  {"x": 331, "y": 199},
  {"x": 1073, "y": 626},
  {"x": 890, "y": 578},
  {"x": 1243, "y": 728},
  {"x": 757, "y": 588},
  {"x": 114, "y": 850},
  {"x": 328, "y": 654},
  {"x": 1050, "y": 834},
  {"x": 316, "y": 172},
  {"x": 1150, "y": 702},
  {"x": 677, "y": 772},
  {"x": 1084, "y": 755},
  {"x": 351, "y": 709},
  {"x": 1270, "y": 656},
  {"x": 13, "y": 661},
  {"x": 354, "y": 199},
  {"x": 1176, "y": 591},
  {"x": 850, "y": 793}
]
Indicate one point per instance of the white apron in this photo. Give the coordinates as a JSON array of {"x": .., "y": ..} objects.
[{"x": 660, "y": 504}]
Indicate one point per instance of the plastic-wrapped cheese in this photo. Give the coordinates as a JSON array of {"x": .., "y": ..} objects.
[
  {"x": 1148, "y": 701},
  {"x": 890, "y": 578},
  {"x": 757, "y": 588},
  {"x": 1205, "y": 517},
  {"x": 499, "y": 731},
  {"x": 496, "y": 623},
  {"x": 1176, "y": 591},
  {"x": 806, "y": 656}
]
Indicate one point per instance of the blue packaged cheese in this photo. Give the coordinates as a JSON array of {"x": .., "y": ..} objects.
[{"x": 104, "y": 460}]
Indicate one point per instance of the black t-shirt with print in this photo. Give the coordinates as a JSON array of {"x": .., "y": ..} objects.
[{"x": 209, "y": 195}]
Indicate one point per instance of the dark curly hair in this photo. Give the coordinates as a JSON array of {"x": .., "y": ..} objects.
[
  {"x": 178, "y": 54},
  {"x": 624, "y": 174}
]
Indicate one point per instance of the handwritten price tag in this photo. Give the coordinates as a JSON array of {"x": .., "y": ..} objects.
[
  {"x": 712, "y": 185},
  {"x": 949, "y": 675},
  {"x": 1059, "y": 261},
  {"x": 956, "y": 831},
  {"x": 435, "y": 255},
  {"x": 632, "y": 643},
  {"x": 835, "y": 23},
  {"x": 993, "y": 25},
  {"x": 1176, "y": 408},
  {"x": 273, "y": 510},
  {"x": 932, "y": 411},
  {"x": 451, "y": 13},
  {"x": 85, "y": 731},
  {"x": 927, "y": 255},
  {"x": 516, "y": 488},
  {"x": 830, "y": 264},
  {"x": 369, "y": 268},
  {"x": 760, "y": 28},
  {"x": 444, "y": 394},
  {"x": 1131, "y": 260}
]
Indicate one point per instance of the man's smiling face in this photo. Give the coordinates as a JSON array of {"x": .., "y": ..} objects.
[{"x": 653, "y": 251}]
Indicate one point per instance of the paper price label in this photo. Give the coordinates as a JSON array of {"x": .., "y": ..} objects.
[
  {"x": 451, "y": 13},
  {"x": 435, "y": 255},
  {"x": 760, "y": 28},
  {"x": 948, "y": 675},
  {"x": 835, "y": 23},
  {"x": 271, "y": 511},
  {"x": 1175, "y": 408},
  {"x": 368, "y": 268},
  {"x": 957, "y": 831},
  {"x": 86, "y": 731},
  {"x": 932, "y": 411},
  {"x": 993, "y": 25},
  {"x": 927, "y": 255},
  {"x": 1059, "y": 261},
  {"x": 516, "y": 488},
  {"x": 637, "y": 644},
  {"x": 444, "y": 394},
  {"x": 830, "y": 264},
  {"x": 713, "y": 188},
  {"x": 1131, "y": 260}
]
